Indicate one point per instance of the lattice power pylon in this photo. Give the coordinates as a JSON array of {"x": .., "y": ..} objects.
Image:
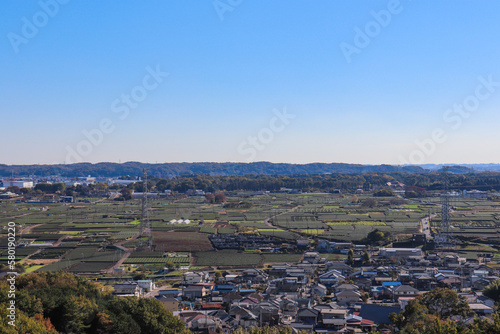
[
  {"x": 145, "y": 227},
  {"x": 445, "y": 238}
]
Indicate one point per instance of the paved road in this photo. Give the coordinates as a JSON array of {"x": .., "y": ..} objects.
[
  {"x": 426, "y": 227},
  {"x": 153, "y": 292}
]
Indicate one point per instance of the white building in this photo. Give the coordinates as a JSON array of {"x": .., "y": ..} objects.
[
  {"x": 146, "y": 284},
  {"x": 17, "y": 183},
  {"x": 191, "y": 277},
  {"x": 121, "y": 182}
]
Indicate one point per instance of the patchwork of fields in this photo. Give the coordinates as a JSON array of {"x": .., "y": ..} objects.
[{"x": 79, "y": 237}]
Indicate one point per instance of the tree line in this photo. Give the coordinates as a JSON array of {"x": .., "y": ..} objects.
[
  {"x": 64, "y": 303},
  {"x": 442, "y": 311},
  {"x": 416, "y": 184}
]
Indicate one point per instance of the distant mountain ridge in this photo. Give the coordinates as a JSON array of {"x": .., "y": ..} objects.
[
  {"x": 110, "y": 169},
  {"x": 473, "y": 167}
]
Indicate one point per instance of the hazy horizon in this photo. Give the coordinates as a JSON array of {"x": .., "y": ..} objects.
[{"x": 240, "y": 162}]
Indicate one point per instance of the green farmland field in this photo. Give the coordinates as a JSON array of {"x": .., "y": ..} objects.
[{"x": 226, "y": 258}]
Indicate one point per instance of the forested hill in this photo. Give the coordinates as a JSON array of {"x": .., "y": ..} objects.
[{"x": 108, "y": 169}]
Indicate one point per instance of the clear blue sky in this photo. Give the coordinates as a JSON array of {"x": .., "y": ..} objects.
[{"x": 355, "y": 97}]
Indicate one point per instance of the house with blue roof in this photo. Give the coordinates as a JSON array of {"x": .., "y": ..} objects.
[
  {"x": 390, "y": 284},
  {"x": 224, "y": 288},
  {"x": 245, "y": 292}
]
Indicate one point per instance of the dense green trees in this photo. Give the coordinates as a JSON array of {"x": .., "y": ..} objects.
[
  {"x": 414, "y": 191},
  {"x": 350, "y": 257},
  {"x": 417, "y": 185},
  {"x": 430, "y": 324},
  {"x": 383, "y": 193},
  {"x": 444, "y": 303},
  {"x": 24, "y": 323},
  {"x": 148, "y": 315},
  {"x": 438, "y": 311},
  {"x": 377, "y": 237},
  {"x": 369, "y": 202},
  {"x": 62, "y": 302},
  {"x": 493, "y": 290},
  {"x": 50, "y": 188},
  {"x": 126, "y": 194},
  {"x": 366, "y": 258}
]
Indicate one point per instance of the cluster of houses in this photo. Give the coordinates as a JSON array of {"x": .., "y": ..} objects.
[
  {"x": 319, "y": 296},
  {"x": 134, "y": 288}
]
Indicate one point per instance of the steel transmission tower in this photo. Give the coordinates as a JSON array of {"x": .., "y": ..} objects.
[
  {"x": 145, "y": 227},
  {"x": 445, "y": 238}
]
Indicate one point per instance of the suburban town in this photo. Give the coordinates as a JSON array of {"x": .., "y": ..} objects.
[{"x": 319, "y": 296}]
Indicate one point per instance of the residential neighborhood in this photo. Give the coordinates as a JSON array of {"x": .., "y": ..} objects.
[{"x": 319, "y": 296}]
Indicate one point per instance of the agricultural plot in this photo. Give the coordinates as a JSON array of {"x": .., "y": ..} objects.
[
  {"x": 20, "y": 255},
  {"x": 227, "y": 258},
  {"x": 401, "y": 227},
  {"x": 181, "y": 241},
  {"x": 370, "y": 223},
  {"x": 269, "y": 229},
  {"x": 122, "y": 235},
  {"x": 147, "y": 257},
  {"x": 83, "y": 259},
  {"x": 50, "y": 253},
  {"x": 178, "y": 228},
  {"x": 248, "y": 223},
  {"x": 69, "y": 244},
  {"x": 343, "y": 217},
  {"x": 91, "y": 254},
  {"x": 144, "y": 260},
  {"x": 285, "y": 235},
  {"x": 61, "y": 265},
  {"x": 208, "y": 229},
  {"x": 334, "y": 257},
  {"x": 21, "y": 252},
  {"x": 300, "y": 225},
  {"x": 311, "y": 232},
  {"x": 226, "y": 230},
  {"x": 355, "y": 232},
  {"x": 89, "y": 267}
]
